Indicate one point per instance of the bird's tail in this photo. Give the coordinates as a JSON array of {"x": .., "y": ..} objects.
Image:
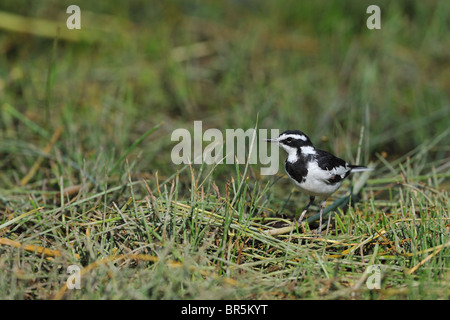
[{"x": 360, "y": 168}]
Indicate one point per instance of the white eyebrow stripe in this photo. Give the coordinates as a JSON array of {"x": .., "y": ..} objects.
[{"x": 294, "y": 136}]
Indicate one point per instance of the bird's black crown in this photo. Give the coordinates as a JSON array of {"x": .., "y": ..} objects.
[{"x": 294, "y": 138}]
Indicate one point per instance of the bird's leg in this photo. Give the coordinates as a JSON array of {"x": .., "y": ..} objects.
[
  {"x": 322, "y": 206},
  {"x": 311, "y": 200}
]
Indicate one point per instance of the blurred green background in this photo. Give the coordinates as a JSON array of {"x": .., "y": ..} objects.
[{"x": 306, "y": 65}]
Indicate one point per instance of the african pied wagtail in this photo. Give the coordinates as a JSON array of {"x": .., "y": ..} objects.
[{"x": 315, "y": 172}]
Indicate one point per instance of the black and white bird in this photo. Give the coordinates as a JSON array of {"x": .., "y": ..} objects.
[{"x": 315, "y": 172}]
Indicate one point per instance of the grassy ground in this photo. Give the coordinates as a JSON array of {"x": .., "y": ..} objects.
[{"x": 86, "y": 177}]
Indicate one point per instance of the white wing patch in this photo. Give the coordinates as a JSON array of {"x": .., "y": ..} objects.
[{"x": 340, "y": 171}]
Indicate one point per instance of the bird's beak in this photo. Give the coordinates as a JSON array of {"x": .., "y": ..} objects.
[{"x": 272, "y": 140}]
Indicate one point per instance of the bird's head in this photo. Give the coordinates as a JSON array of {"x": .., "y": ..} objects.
[{"x": 292, "y": 140}]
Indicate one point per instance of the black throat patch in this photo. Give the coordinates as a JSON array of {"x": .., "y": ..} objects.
[{"x": 298, "y": 170}]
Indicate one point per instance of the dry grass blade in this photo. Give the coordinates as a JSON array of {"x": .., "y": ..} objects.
[
  {"x": 33, "y": 248},
  {"x": 38, "y": 162},
  {"x": 436, "y": 250},
  {"x": 23, "y": 215},
  {"x": 42, "y": 28}
]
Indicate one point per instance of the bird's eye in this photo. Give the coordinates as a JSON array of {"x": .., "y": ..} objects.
[{"x": 289, "y": 140}]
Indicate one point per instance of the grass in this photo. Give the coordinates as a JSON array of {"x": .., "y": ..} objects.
[{"x": 85, "y": 171}]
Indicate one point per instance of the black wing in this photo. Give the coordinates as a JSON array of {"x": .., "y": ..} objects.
[{"x": 339, "y": 169}]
